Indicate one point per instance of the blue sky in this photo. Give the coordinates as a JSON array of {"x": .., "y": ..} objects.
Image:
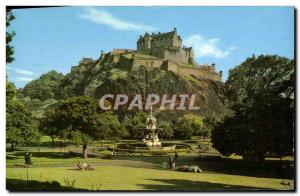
[{"x": 57, "y": 38}]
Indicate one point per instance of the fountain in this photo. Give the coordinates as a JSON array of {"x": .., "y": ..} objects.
[
  {"x": 151, "y": 139},
  {"x": 151, "y": 142}
]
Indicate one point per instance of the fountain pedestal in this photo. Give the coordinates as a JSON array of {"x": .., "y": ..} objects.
[{"x": 151, "y": 139}]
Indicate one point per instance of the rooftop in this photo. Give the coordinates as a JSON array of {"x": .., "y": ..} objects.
[{"x": 159, "y": 35}]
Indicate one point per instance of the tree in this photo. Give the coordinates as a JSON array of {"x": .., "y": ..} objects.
[
  {"x": 209, "y": 123},
  {"x": 261, "y": 91},
  {"x": 260, "y": 80},
  {"x": 167, "y": 131},
  {"x": 189, "y": 125},
  {"x": 9, "y": 37},
  {"x": 108, "y": 126},
  {"x": 79, "y": 138},
  {"x": 10, "y": 90},
  {"x": 35, "y": 105},
  {"x": 45, "y": 87},
  {"x": 48, "y": 125},
  {"x": 77, "y": 113},
  {"x": 37, "y": 137},
  {"x": 20, "y": 126},
  {"x": 81, "y": 114},
  {"x": 135, "y": 124},
  {"x": 76, "y": 137}
]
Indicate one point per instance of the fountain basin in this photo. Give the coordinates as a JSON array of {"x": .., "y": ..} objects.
[{"x": 141, "y": 147}]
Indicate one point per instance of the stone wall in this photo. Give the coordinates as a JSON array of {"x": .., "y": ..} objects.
[
  {"x": 158, "y": 52},
  {"x": 161, "y": 43},
  {"x": 176, "y": 41},
  {"x": 179, "y": 55},
  {"x": 150, "y": 63},
  {"x": 136, "y": 60},
  {"x": 173, "y": 54},
  {"x": 121, "y": 51},
  {"x": 203, "y": 72},
  {"x": 170, "y": 66}
]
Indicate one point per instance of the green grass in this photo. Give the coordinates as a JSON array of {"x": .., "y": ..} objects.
[
  {"x": 54, "y": 169},
  {"x": 131, "y": 178}
]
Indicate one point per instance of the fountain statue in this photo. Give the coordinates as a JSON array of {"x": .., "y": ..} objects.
[{"x": 151, "y": 139}]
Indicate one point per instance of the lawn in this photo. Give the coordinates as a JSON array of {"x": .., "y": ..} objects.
[
  {"x": 54, "y": 169},
  {"x": 132, "y": 178}
]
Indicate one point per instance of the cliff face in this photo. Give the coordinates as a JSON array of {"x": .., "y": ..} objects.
[{"x": 132, "y": 73}]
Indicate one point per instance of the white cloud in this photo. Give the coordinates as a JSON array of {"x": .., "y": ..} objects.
[
  {"x": 22, "y": 79},
  {"x": 103, "y": 17},
  {"x": 207, "y": 47},
  {"x": 20, "y": 71}
]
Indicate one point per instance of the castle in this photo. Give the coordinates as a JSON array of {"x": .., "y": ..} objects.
[
  {"x": 161, "y": 50},
  {"x": 166, "y": 46}
]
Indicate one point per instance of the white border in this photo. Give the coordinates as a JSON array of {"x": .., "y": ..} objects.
[
  {"x": 110, "y": 3},
  {"x": 153, "y": 2}
]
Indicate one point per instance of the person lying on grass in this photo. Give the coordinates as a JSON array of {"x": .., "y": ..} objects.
[{"x": 192, "y": 168}]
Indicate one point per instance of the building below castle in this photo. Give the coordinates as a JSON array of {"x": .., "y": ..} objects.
[{"x": 165, "y": 46}]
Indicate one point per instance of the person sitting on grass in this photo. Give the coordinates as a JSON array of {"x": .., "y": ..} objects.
[{"x": 84, "y": 166}]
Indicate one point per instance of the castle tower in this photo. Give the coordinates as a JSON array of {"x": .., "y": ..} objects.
[{"x": 147, "y": 41}]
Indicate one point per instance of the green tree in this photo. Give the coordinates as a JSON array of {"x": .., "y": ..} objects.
[
  {"x": 37, "y": 138},
  {"x": 45, "y": 87},
  {"x": 20, "y": 126},
  {"x": 9, "y": 37},
  {"x": 79, "y": 138},
  {"x": 82, "y": 114},
  {"x": 34, "y": 105},
  {"x": 10, "y": 90},
  {"x": 260, "y": 79},
  {"x": 167, "y": 131},
  {"x": 76, "y": 137},
  {"x": 109, "y": 127},
  {"x": 209, "y": 123},
  {"x": 261, "y": 91},
  {"x": 189, "y": 125},
  {"x": 77, "y": 113},
  {"x": 135, "y": 124},
  {"x": 48, "y": 124}
]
